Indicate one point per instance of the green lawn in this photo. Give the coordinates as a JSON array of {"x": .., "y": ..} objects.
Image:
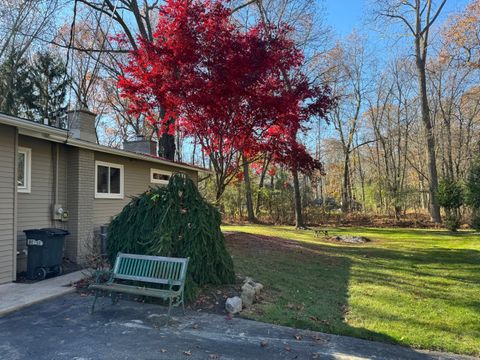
[{"x": 419, "y": 288}]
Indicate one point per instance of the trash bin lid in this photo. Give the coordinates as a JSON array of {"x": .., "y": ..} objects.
[
  {"x": 55, "y": 231},
  {"x": 33, "y": 231}
]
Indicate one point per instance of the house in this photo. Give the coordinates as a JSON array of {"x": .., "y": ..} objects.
[{"x": 51, "y": 177}]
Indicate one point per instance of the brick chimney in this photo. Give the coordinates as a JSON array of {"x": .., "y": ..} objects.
[
  {"x": 81, "y": 124},
  {"x": 141, "y": 145}
]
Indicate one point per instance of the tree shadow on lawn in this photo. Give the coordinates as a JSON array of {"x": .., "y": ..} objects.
[
  {"x": 308, "y": 283},
  {"x": 291, "y": 298}
]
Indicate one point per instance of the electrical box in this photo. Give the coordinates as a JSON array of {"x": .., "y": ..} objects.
[{"x": 59, "y": 213}]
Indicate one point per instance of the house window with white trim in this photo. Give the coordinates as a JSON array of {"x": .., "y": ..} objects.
[
  {"x": 24, "y": 170},
  {"x": 108, "y": 180},
  {"x": 159, "y": 176}
]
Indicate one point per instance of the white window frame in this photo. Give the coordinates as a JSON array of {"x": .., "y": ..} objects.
[
  {"x": 122, "y": 181},
  {"x": 162, "y": 172},
  {"x": 27, "y": 188}
]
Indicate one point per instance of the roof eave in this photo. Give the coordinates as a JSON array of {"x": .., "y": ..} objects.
[{"x": 63, "y": 136}]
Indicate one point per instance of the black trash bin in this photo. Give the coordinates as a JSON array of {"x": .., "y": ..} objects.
[{"x": 45, "y": 252}]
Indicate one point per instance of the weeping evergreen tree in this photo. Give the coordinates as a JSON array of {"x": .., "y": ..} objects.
[{"x": 174, "y": 221}]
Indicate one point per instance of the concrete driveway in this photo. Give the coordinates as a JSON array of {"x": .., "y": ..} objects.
[{"x": 62, "y": 328}]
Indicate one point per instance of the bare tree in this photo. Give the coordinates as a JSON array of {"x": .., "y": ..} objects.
[
  {"x": 349, "y": 79},
  {"x": 391, "y": 112},
  {"x": 134, "y": 19},
  {"x": 417, "y": 18},
  {"x": 22, "y": 23}
]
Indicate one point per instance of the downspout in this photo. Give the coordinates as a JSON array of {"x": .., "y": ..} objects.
[
  {"x": 55, "y": 182},
  {"x": 15, "y": 251}
]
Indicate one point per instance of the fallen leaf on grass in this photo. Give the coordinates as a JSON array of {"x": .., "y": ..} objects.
[{"x": 187, "y": 353}]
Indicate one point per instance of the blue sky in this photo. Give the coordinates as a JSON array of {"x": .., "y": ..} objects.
[{"x": 344, "y": 15}]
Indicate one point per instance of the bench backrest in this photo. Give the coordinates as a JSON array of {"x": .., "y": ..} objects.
[{"x": 151, "y": 269}]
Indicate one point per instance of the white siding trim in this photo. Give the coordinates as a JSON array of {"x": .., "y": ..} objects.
[
  {"x": 27, "y": 188},
  {"x": 158, "y": 171},
  {"x": 122, "y": 181}
]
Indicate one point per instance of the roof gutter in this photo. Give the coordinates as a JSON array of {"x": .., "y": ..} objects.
[
  {"x": 30, "y": 125},
  {"x": 105, "y": 149}
]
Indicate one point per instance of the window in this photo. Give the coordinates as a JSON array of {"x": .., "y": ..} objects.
[
  {"x": 108, "y": 180},
  {"x": 159, "y": 176},
  {"x": 24, "y": 170}
]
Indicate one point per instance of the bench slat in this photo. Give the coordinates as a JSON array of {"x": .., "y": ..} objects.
[
  {"x": 153, "y": 269},
  {"x": 136, "y": 290},
  {"x": 152, "y": 257}
]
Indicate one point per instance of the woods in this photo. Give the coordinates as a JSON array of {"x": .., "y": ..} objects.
[{"x": 296, "y": 121}]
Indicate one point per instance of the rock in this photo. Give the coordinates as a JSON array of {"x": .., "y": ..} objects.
[
  {"x": 352, "y": 239},
  {"x": 233, "y": 305},
  {"x": 248, "y": 295},
  {"x": 258, "y": 288},
  {"x": 248, "y": 280}
]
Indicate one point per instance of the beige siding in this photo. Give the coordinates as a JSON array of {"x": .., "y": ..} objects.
[
  {"x": 80, "y": 170},
  {"x": 34, "y": 209},
  {"x": 7, "y": 203},
  {"x": 137, "y": 180}
]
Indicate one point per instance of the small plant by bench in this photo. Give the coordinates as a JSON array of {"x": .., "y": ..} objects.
[
  {"x": 146, "y": 272},
  {"x": 318, "y": 232}
]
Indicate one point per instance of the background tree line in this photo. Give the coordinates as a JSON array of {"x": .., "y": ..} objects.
[{"x": 402, "y": 138}]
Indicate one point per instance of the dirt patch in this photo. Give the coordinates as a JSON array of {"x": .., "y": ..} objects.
[
  {"x": 342, "y": 239},
  {"x": 242, "y": 240},
  {"x": 211, "y": 299}
]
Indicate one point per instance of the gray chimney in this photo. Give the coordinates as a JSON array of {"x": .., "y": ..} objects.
[
  {"x": 81, "y": 124},
  {"x": 141, "y": 145}
]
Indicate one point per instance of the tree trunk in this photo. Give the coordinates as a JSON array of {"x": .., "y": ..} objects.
[
  {"x": 346, "y": 184},
  {"x": 260, "y": 187},
  {"x": 299, "y": 224},
  {"x": 431, "y": 163},
  {"x": 248, "y": 192},
  {"x": 166, "y": 146}
]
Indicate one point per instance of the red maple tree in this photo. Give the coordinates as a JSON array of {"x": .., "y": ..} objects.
[{"x": 224, "y": 86}]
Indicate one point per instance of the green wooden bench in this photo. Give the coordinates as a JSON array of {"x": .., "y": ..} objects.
[{"x": 138, "y": 275}]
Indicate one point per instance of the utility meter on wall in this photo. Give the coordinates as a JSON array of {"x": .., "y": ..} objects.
[{"x": 59, "y": 213}]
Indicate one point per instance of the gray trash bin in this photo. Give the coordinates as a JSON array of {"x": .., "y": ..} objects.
[{"x": 45, "y": 252}]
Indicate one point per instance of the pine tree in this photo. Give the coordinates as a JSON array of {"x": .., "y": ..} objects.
[
  {"x": 49, "y": 82},
  {"x": 15, "y": 85}
]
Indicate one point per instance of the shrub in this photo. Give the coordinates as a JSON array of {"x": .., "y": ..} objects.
[
  {"x": 452, "y": 222},
  {"x": 473, "y": 185},
  {"x": 174, "y": 221},
  {"x": 475, "y": 223},
  {"x": 450, "y": 194}
]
